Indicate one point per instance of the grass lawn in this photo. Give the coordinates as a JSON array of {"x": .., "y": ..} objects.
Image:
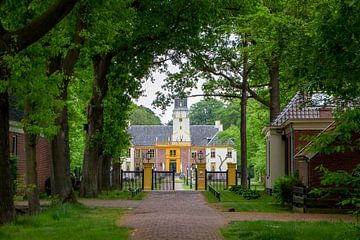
[
  {"x": 123, "y": 195},
  {"x": 187, "y": 187},
  {"x": 258, "y": 230},
  {"x": 70, "y": 222},
  {"x": 231, "y": 200}
]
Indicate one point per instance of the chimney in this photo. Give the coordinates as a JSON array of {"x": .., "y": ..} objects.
[{"x": 218, "y": 125}]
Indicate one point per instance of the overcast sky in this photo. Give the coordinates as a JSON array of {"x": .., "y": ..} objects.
[{"x": 150, "y": 90}]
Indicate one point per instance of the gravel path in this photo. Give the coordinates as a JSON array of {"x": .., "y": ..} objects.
[{"x": 174, "y": 215}]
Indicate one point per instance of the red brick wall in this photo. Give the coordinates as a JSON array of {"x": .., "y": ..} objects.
[
  {"x": 197, "y": 155},
  {"x": 185, "y": 158},
  {"x": 43, "y": 158},
  {"x": 43, "y": 161},
  {"x": 303, "y": 137},
  {"x": 160, "y": 159},
  {"x": 333, "y": 162},
  {"x": 326, "y": 113}
]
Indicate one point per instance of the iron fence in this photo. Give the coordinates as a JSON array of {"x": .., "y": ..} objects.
[
  {"x": 217, "y": 180},
  {"x": 238, "y": 177},
  {"x": 132, "y": 180},
  {"x": 163, "y": 180}
]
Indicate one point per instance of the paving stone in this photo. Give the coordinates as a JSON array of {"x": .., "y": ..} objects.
[{"x": 174, "y": 215}]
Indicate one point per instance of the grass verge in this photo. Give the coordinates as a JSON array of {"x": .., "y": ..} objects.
[
  {"x": 231, "y": 200},
  {"x": 251, "y": 230},
  {"x": 68, "y": 221},
  {"x": 121, "y": 195}
]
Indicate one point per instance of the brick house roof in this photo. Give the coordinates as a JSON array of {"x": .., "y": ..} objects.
[{"x": 302, "y": 106}]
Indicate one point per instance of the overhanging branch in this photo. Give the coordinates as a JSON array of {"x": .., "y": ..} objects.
[{"x": 41, "y": 25}]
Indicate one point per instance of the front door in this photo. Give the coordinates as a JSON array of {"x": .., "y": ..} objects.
[{"x": 173, "y": 166}]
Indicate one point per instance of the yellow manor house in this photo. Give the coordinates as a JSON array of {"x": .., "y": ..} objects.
[{"x": 178, "y": 147}]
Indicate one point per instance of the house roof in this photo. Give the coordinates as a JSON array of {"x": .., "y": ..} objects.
[
  {"x": 300, "y": 107},
  {"x": 148, "y": 135},
  {"x": 218, "y": 141}
]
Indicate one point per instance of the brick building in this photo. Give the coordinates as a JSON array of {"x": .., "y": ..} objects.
[
  {"x": 288, "y": 140},
  {"x": 17, "y": 148},
  {"x": 180, "y": 146}
]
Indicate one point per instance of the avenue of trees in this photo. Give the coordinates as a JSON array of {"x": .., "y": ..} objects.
[
  {"x": 268, "y": 50},
  {"x": 75, "y": 66}
]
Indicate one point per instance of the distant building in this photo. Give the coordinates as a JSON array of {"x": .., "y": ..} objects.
[
  {"x": 180, "y": 146},
  {"x": 289, "y": 136},
  {"x": 17, "y": 148}
]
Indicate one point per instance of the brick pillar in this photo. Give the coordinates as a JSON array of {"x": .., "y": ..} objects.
[
  {"x": 201, "y": 176},
  {"x": 147, "y": 176},
  {"x": 231, "y": 174}
]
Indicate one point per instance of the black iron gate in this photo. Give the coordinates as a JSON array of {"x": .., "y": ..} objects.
[
  {"x": 131, "y": 180},
  {"x": 163, "y": 180},
  {"x": 238, "y": 177},
  {"x": 216, "y": 179}
]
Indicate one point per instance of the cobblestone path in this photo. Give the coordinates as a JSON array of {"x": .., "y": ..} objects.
[{"x": 174, "y": 215}]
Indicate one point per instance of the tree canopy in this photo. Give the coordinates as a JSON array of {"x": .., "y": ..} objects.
[{"x": 141, "y": 115}]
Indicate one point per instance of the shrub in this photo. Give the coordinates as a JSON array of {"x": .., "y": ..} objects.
[
  {"x": 245, "y": 192},
  {"x": 238, "y": 189},
  {"x": 250, "y": 194},
  {"x": 283, "y": 188}
]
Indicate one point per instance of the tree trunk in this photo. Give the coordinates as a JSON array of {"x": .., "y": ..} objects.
[
  {"x": 61, "y": 177},
  {"x": 244, "y": 97},
  {"x": 61, "y": 157},
  {"x": 116, "y": 181},
  {"x": 93, "y": 150},
  {"x": 243, "y": 139},
  {"x": 274, "y": 74},
  {"x": 15, "y": 42},
  {"x": 32, "y": 190},
  {"x": 7, "y": 210},
  {"x": 106, "y": 172}
]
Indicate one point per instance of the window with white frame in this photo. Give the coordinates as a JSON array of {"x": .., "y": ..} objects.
[
  {"x": 193, "y": 154},
  {"x": 172, "y": 153},
  {"x": 212, "y": 155},
  {"x": 14, "y": 145},
  {"x": 229, "y": 153},
  {"x": 151, "y": 153},
  {"x": 137, "y": 153}
]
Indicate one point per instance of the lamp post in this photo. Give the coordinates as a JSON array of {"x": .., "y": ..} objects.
[
  {"x": 200, "y": 156},
  {"x": 148, "y": 156},
  {"x": 187, "y": 175}
]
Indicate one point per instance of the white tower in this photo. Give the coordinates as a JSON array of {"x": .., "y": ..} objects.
[{"x": 181, "y": 121}]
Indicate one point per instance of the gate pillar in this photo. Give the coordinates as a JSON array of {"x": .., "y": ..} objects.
[
  {"x": 147, "y": 176},
  {"x": 231, "y": 174},
  {"x": 201, "y": 176}
]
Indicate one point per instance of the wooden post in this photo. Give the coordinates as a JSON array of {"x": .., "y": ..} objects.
[
  {"x": 231, "y": 175},
  {"x": 201, "y": 176},
  {"x": 148, "y": 176}
]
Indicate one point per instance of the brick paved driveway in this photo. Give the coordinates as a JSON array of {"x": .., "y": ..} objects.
[{"x": 174, "y": 215}]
